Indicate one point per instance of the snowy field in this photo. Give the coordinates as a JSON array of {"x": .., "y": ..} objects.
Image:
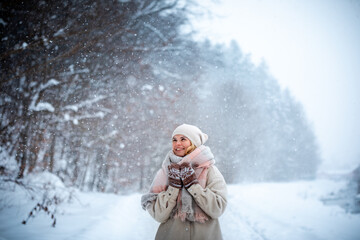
[{"x": 271, "y": 211}]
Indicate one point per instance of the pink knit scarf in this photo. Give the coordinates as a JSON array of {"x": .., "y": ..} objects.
[{"x": 186, "y": 208}]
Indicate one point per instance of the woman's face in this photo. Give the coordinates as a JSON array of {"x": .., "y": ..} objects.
[{"x": 180, "y": 144}]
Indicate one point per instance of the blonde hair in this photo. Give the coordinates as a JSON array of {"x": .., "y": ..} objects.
[{"x": 190, "y": 149}]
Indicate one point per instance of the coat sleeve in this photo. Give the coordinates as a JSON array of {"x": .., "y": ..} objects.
[
  {"x": 213, "y": 198},
  {"x": 160, "y": 209}
]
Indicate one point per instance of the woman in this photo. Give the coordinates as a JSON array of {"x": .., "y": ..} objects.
[{"x": 188, "y": 194}]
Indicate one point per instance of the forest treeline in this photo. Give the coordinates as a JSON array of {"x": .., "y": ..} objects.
[{"x": 91, "y": 91}]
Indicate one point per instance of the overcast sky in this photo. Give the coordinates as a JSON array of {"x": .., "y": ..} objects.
[{"x": 313, "y": 48}]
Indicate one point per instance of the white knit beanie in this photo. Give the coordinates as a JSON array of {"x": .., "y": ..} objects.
[{"x": 193, "y": 133}]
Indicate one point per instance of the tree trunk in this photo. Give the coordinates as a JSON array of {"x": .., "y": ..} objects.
[
  {"x": 142, "y": 177},
  {"x": 52, "y": 153},
  {"x": 21, "y": 155}
]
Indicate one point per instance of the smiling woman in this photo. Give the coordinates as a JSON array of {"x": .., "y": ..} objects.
[
  {"x": 181, "y": 145},
  {"x": 188, "y": 194}
]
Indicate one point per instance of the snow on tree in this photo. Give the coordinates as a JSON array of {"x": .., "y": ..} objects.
[{"x": 91, "y": 91}]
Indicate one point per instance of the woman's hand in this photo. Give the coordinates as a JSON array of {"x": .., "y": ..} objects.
[
  {"x": 187, "y": 174},
  {"x": 174, "y": 176}
]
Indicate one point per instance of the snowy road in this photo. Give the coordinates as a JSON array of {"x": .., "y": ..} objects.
[
  {"x": 265, "y": 227},
  {"x": 266, "y": 211}
]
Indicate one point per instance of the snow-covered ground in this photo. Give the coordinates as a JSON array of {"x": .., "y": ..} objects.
[{"x": 272, "y": 211}]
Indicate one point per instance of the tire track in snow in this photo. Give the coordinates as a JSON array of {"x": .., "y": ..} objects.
[
  {"x": 267, "y": 226},
  {"x": 89, "y": 218},
  {"x": 235, "y": 226},
  {"x": 120, "y": 220}
]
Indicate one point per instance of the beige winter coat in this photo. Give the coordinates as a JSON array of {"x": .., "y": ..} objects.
[{"x": 212, "y": 200}]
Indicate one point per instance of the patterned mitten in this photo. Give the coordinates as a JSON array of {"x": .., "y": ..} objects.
[
  {"x": 174, "y": 176},
  {"x": 187, "y": 174}
]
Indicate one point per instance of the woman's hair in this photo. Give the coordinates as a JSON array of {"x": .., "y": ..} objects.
[{"x": 190, "y": 149}]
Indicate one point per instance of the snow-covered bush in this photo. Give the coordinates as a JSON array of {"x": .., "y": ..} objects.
[{"x": 44, "y": 190}]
